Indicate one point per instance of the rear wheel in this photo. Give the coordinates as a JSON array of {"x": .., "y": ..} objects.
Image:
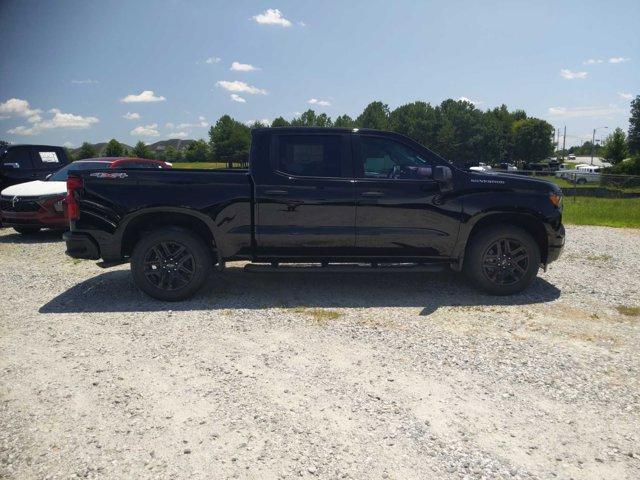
[
  {"x": 581, "y": 181},
  {"x": 502, "y": 260},
  {"x": 170, "y": 264},
  {"x": 26, "y": 230}
]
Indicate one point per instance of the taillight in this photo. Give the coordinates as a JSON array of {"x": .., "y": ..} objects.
[{"x": 73, "y": 209}]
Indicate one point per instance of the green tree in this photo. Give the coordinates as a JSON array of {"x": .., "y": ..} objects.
[
  {"x": 258, "y": 124},
  {"x": 113, "y": 149},
  {"x": 3, "y": 144},
  {"x": 634, "y": 127},
  {"x": 280, "y": 122},
  {"x": 172, "y": 155},
  {"x": 344, "y": 121},
  {"x": 86, "y": 150},
  {"x": 310, "y": 119},
  {"x": 375, "y": 115},
  {"x": 532, "y": 139},
  {"x": 230, "y": 140},
  {"x": 70, "y": 154},
  {"x": 197, "y": 151},
  {"x": 615, "y": 147},
  {"x": 141, "y": 151}
]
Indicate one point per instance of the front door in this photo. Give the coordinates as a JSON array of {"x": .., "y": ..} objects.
[
  {"x": 307, "y": 205},
  {"x": 400, "y": 210}
]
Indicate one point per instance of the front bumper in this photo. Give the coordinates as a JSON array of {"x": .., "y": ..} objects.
[
  {"x": 34, "y": 219},
  {"x": 556, "y": 239},
  {"x": 81, "y": 245}
]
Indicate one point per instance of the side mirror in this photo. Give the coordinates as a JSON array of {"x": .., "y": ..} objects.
[{"x": 442, "y": 174}]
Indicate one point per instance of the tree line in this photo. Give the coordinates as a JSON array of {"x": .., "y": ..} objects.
[{"x": 456, "y": 129}]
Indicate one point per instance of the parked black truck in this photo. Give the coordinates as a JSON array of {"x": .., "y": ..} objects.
[{"x": 317, "y": 195}]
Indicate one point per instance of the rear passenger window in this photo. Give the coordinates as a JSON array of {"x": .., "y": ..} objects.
[{"x": 310, "y": 155}]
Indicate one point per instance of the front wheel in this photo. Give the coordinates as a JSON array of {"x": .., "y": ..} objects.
[
  {"x": 170, "y": 264},
  {"x": 502, "y": 260}
]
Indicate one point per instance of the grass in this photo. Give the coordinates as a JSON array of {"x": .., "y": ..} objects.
[
  {"x": 208, "y": 165},
  {"x": 629, "y": 311},
  {"x": 608, "y": 212}
]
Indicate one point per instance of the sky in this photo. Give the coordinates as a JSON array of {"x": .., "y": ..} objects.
[{"x": 88, "y": 70}]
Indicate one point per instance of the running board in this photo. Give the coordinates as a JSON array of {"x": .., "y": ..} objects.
[{"x": 345, "y": 268}]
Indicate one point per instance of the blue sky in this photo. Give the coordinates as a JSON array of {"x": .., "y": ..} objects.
[{"x": 72, "y": 70}]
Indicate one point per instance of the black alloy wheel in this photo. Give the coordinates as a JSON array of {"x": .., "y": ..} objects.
[
  {"x": 505, "y": 262},
  {"x": 169, "y": 266},
  {"x": 171, "y": 263}
]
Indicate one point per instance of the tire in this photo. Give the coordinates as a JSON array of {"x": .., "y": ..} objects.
[
  {"x": 171, "y": 264},
  {"x": 27, "y": 230},
  {"x": 581, "y": 181},
  {"x": 502, "y": 260}
]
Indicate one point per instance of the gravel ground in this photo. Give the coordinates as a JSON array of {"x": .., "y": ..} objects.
[{"x": 401, "y": 375}]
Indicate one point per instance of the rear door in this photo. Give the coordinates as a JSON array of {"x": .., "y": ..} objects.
[
  {"x": 400, "y": 209},
  {"x": 306, "y": 203}
]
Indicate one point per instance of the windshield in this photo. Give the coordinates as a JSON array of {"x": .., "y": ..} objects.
[{"x": 61, "y": 175}]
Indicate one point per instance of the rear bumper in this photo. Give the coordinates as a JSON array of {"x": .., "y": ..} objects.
[
  {"x": 81, "y": 245},
  {"x": 556, "y": 239}
]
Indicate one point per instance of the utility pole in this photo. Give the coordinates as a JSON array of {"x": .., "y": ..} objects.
[
  {"x": 593, "y": 144},
  {"x": 564, "y": 141}
]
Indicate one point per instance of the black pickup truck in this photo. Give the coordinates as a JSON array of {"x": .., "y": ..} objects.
[{"x": 326, "y": 196}]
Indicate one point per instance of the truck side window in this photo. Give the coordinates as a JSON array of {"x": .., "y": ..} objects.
[
  {"x": 385, "y": 158},
  {"x": 310, "y": 155}
]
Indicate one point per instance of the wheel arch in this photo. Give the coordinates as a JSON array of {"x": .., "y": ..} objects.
[
  {"x": 524, "y": 220},
  {"x": 152, "y": 219}
]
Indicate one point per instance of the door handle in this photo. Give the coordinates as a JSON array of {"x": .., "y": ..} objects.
[
  {"x": 275, "y": 192},
  {"x": 372, "y": 194}
]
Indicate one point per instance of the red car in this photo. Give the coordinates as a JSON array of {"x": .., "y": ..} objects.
[{"x": 30, "y": 206}]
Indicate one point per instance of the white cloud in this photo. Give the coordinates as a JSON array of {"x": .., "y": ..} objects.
[
  {"x": 243, "y": 67},
  {"x": 144, "y": 97},
  {"x": 619, "y": 59},
  {"x": 68, "y": 144},
  {"x": 272, "y": 16},
  {"x": 177, "y": 135},
  {"x": 212, "y": 60},
  {"x": 202, "y": 119},
  {"x": 625, "y": 96},
  {"x": 20, "y": 108},
  {"x": 473, "y": 102},
  {"x": 57, "y": 120},
  {"x": 237, "y": 98},
  {"x": 66, "y": 120},
  {"x": 86, "y": 81},
  {"x": 240, "y": 87},
  {"x": 585, "y": 112},
  {"x": 569, "y": 75},
  {"x": 302, "y": 24},
  {"x": 131, "y": 116},
  {"x": 22, "y": 130},
  {"x": 592, "y": 61},
  {"x": 146, "y": 130},
  {"x": 321, "y": 103}
]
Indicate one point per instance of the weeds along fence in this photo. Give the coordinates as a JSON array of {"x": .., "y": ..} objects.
[{"x": 584, "y": 184}]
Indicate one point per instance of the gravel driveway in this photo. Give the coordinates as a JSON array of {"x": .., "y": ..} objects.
[{"x": 394, "y": 375}]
